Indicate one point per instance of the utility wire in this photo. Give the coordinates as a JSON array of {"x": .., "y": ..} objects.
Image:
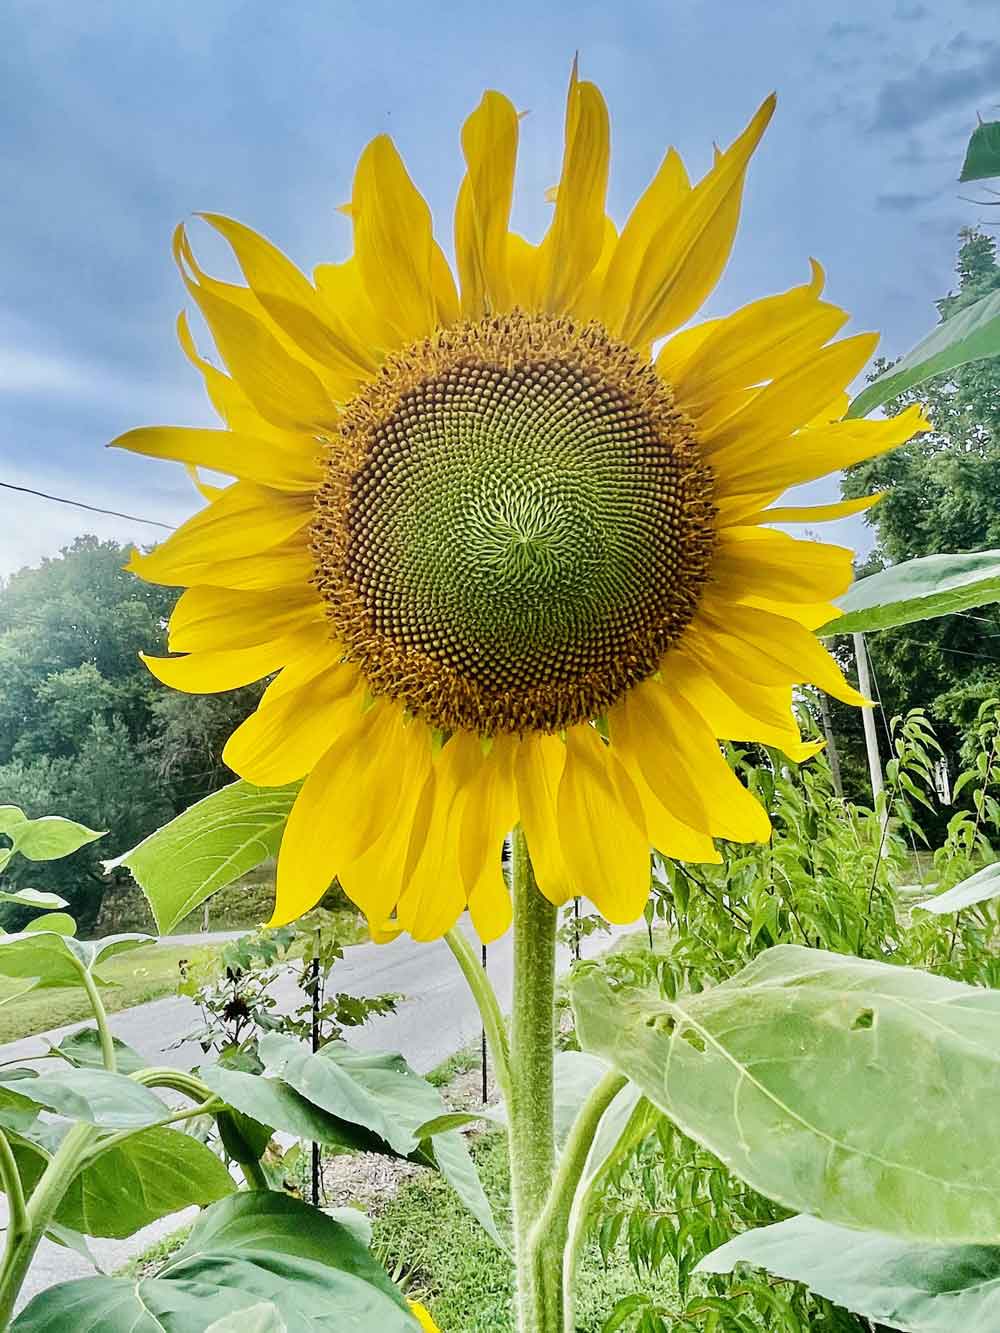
[{"x": 94, "y": 509}]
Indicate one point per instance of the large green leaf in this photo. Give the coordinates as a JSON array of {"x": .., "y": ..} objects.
[
  {"x": 972, "y": 334},
  {"x": 981, "y": 887},
  {"x": 49, "y": 838},
  {"x": 252, "y": 1249},
  {"x": 856, "y": 1091},
  {"x": 932, "y": 585},
  {"x": 82, "y": 1049},
  {"x": 380, "y": 1093},
  {"x": 57, "y": 960},
  {"x": 263, "y": 1318},
  {"x": 207, "y": 847},
  {"x": 145, "y": 1177},
  {"x": 915, "y": 1288},
  {"x": 45, "y": 902},
  {"x": 982, "y": 157},
  {"x": 110, "y": 1101}
]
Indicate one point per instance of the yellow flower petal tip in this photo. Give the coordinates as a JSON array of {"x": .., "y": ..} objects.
[
  {"x": 500, "y": 565},
  {"x": 423, "y": 1317}
]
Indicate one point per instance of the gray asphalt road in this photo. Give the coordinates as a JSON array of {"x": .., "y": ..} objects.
[{"x": 435, "y": 1018}]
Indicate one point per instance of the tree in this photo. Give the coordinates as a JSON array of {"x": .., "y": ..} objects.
[
  {"x": 85, "y": 730},
  {"x": 942, "y": 493}
]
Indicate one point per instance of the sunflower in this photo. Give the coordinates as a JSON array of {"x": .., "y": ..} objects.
[{"x": 505, "y": 542}]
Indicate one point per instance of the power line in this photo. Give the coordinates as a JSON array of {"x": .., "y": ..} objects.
[{"x": 94, "y": 509}]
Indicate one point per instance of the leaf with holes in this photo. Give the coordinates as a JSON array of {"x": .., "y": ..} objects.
[
  {"x": 915, "y": 1288},
  {"x": 207, "y": 847},
  {"x": 856, "y": 1091},
  {"x": 921, "y": 589}
]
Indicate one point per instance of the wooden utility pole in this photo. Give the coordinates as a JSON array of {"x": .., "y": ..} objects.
[{"x": 868, "y": 717}]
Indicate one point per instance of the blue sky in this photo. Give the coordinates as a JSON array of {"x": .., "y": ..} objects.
[{"x": 120, "y": 119}]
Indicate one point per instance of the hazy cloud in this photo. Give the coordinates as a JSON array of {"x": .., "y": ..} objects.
[
  {"x": 931, "y": 90},
  {"x": 903, "y": 203}
]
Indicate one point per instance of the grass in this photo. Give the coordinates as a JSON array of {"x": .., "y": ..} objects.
[
  {"x": 461, "y": 1277},
  {"x": 142, "y": 975}
]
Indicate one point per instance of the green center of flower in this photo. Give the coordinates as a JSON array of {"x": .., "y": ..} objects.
[{"x": 514, "y": 527}]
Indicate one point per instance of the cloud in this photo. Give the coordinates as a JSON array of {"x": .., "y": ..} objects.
[
  {"x": 903, "y": 203},
  {"x": 931, "y": 89}
]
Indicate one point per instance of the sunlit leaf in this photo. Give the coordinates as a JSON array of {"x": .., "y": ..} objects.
[
  {"x": 59, "y": 922},
  {"x": 913, "y": 1288},
  {"x": 857, "y": 1091},
  {"x": 50, "y": 837},
  {"x": 207, "y": 847},
  {"x": 932, "y": 585},
  {"x": 45, "y": 902},
  {"x": 981, "y": 887},
  {"x": 970, "y": 335}
]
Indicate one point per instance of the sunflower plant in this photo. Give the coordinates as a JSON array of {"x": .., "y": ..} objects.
[{"x": 500, "y": 534}]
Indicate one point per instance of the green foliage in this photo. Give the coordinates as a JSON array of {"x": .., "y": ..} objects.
[
  {"x": 924, "y": 1289},
  {"x": 922, "y": 589},
  {"x": 982, "y": 157},
  {"x": 207, "y": 847},
  {"x": 309, "y": 1267}
]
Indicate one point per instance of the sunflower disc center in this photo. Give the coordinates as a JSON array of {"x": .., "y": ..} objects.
[{"x": 514, "y": 526}]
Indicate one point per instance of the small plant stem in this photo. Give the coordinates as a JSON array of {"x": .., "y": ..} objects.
[
  {"x": 253, "y": 1174},
  {"x": 163, "y": 1076},
  {"x": 104, "y": 1145},
  {"x": 488, "y": 1004},
  {"x": 101, "y": 1017},
  {"x": 40, "y": 1209},
  {"x": 530, "y": 1104},
  {"x": 17, "y": 1224}
]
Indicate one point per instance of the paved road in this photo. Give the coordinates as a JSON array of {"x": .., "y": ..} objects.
[{"x": 436, "y": 1017}]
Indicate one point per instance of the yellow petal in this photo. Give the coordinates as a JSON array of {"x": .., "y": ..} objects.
[
  {"x": 394, "y": 245},
  {"x": 538, "y": 770},
  {"x": 283, "y": 389},
  {"x": 285, "y": 737},
  {"x": 789, "y": 401},
  {"x": 773, "y": 649},
  {"x": 813, "y": 453},
  {"x": 228, "y": 399},
  {"x": 490, "y": 907},
  {"x": 757, "y": 561},
  {"x": 685, "y": 256},
  {"x": 815, "y": 513},
  {"x": 488, "y": 814},
  {"x": 573, "y": 242},
  {"x": 676, "y": 750},
  {"x": 343, "y": 289},
  {"x": 288, "y": 466},
  {"x": 219, "y": 619},
  {"x": 211, "y": 673},
  {"x": 423, "y": 1317},
  {"x": 482, "y": 213},
  {"x": 295, "y": 305},
  {"x": 667, "y": 190},
  {"x": 604, "y": 841}
]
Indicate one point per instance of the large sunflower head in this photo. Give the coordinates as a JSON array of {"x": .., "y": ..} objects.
[{"x": 506, "y": 541}]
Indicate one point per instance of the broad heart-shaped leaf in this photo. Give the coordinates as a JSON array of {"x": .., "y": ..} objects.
[
  {"x": 82, "y": 1049},
  {"x": 931, "y": 585},
  {"x": 856, "y": 1091},
  {"x": 141, "y": 1179},
  {"x": 252, "y": 1249},
  {"x": 380, "y": 1093},
  {"x": 207, "y": 847},
  {"x": 981, "y": 887},
  {"x": 972, "y": 334},
  {"x": 45, "y": 902},
  {"x": 982, "y": 157},
  {"x": 914, "y": 1288},
  {"x": 110, "y": 1101},
  {"x": 50, "y": 837},
  {"x": 57, "y": 960}
]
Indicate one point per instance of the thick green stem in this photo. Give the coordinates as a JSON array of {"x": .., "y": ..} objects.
[
  {"x": 489, "y": 1007},
  {"x": 17, "y": 1222},
  {"x": 40, "y": 1209},
  {"x": 100, "y": 1014},
  {"x": 532, "y": 1139}
]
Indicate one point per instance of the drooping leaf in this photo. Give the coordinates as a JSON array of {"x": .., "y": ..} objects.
[
  {"x": 913, "y": 1288},
  {"x": 45, "y": 902},
  {"x": 49, "y": 838},
  {"x": 110, "y": 1101},
  {"x": 252, "y": 1249},
  {"x": 981, "y": 887},
  {"x": 441, "y": 1124},
  {"x": 932, "y": 585},
  {"x": 82, "y": 1049},
  {"x": 454, "y": 1161},
  {"x": 972, "y": 334},
  {"x": 854, "y": 1090},
  {"x": 982, "y": 157},
  {"x": 207, "y": 847}
]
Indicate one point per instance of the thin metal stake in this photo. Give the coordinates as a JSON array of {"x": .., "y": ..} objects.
[
  {"x": 486, "y": 1089},
  {"x": 317, "y": 1161}
]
